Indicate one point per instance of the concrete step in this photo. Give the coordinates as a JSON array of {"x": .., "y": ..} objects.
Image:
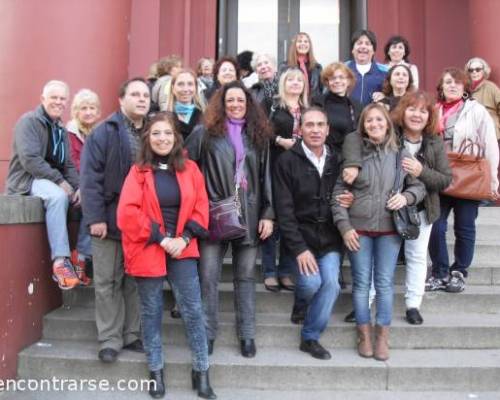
[
  {"x": 473, "y": 331},
  {"x": 248, "y": 394},
  {"x": 278, "y": 368},
  {"x": 485, "y": 273},
  {"x": 475, "y": 299}
]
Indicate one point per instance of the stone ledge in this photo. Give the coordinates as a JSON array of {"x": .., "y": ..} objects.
[{"x": 21, "y": 210}]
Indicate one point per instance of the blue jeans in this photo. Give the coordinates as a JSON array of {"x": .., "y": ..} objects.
[
  {"x": 465, "y": 213},
  {"x": 269, "y": 267},
  {"x": 319, "y": 292},
  {"x": 379, "y": 254},
  {"x": 183, "y": 277},
  {"x": 84, "y": 241},
  {"x": 56, "y": 203}
]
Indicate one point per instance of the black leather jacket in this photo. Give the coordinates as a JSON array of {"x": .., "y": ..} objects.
[{"x": 216, "y": 159}]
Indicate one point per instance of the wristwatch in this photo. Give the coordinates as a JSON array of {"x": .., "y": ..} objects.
[{"x": 186, "y": 239}]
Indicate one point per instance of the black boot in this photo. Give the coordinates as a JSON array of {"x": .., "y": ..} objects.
[
  {"x": 201, "y": 383},
  {"x": 157, "y": 385}
]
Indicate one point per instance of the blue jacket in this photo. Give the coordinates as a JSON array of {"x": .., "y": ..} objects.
[
  {"x": 105, "y": 164},
  {"x": 368, "y": 83}
]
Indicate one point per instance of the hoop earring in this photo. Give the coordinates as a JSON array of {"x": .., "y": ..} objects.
[{"x": 465, "y": 96}]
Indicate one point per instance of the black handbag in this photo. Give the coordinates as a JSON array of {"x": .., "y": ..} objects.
[
  {"x": 225, "y": 219},
  {"x": 406, "y": 219}
]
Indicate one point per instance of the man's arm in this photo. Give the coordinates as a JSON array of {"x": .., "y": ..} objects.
[{"x": 28, "y": 140}]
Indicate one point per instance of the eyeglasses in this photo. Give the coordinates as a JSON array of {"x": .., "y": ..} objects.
[{"x": 478, "y": 69}]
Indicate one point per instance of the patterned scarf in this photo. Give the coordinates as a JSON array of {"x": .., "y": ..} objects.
[
  {"x": 270, "y": 87},
  {"x": 234, "y": 131}
]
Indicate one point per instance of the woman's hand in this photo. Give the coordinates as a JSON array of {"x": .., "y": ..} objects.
[
  {"x": 351, "y": 240},
  {"x": 265, "y": 228},
  {"x": 412, "y": 166},
  {"x": 173, "y": 246},
  {"x": 396, "y": 202},
  {"x": 345, "y": 199},
  {"x": 350, "y": 174},
  {"x": 307, "y": 263},
  {"x": 377, "y": 96}
]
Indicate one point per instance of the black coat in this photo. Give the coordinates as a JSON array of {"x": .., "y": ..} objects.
[
  {"x": 282, "y": 121},
  {"x": 302, "y": 202},
  {"x": 187, "y": 128},
  {"x": 216, "y": 159},
  {"x": 105, "y": 163},
  {"x": 343, "y": 116}
]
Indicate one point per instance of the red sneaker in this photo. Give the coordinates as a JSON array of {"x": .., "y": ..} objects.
[{"x": 64, "y": 274}]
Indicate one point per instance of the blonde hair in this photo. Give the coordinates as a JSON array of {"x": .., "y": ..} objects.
[
  {"x": 81, "y": 97},
  {"x": 198, "y": 102},
  {"x": 282, "y": 95},
  {"x": 392, "y": 142}
]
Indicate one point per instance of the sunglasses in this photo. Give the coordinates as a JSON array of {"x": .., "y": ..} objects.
[{"x": 471, "y": 70}]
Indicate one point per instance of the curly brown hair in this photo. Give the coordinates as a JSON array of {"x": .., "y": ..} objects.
[
  {"x": 257, "y": 125},
  {"x": 146, "y": 156},
  {"x": 418, "y": 98}
]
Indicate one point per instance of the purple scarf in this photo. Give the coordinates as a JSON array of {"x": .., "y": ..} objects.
[{"x": 234, "y": 129}]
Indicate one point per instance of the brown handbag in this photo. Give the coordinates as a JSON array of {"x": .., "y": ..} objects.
[{"x": 471, "y": 173}]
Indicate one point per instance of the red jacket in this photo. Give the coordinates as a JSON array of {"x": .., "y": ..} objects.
[{"x": 138, "y": 208}]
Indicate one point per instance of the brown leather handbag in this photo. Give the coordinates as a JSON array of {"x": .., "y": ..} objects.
[{"x": 471, "y": 173}]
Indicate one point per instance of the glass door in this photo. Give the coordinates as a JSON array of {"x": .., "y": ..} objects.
[{"x": 267, "y": 26}]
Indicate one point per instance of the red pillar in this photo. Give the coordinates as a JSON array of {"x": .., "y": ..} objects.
[
  {"x": 84, "y": 43},
  {"x": 484, "y": 33}
]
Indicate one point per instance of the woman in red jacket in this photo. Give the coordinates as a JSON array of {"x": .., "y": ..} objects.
[{"x": 163, "y": 209}]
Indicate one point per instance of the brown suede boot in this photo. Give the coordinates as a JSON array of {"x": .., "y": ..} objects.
[
  {"x": 365, "y": 347},
  {"x": 381, "y": 343}
]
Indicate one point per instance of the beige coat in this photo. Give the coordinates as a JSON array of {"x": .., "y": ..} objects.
[{"x": 488, "y": 94}]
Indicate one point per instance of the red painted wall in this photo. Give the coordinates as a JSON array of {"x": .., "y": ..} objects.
[
  {"x": 84, "y": 43},
  {"x": 438, "y": 31},
  {"x": 485, "y": 33},
  {"x": 25, "y": 262}
]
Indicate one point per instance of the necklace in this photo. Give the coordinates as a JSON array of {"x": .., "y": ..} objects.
[{"x": 163, "y": 166}]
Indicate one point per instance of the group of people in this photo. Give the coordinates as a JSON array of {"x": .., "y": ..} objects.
[{"x": 315, "y": 159}]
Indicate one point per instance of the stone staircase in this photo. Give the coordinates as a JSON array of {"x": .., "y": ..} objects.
[{"x": 455, "y": 352}]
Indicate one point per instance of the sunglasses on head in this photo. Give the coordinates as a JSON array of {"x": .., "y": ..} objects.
[{"x": 478, "y": 69}]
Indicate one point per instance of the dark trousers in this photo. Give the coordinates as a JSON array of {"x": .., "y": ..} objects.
[{"x": 465, "y": 214}]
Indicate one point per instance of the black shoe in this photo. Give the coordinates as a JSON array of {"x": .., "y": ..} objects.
[
  {"x": 136, "y": 346},
  {"x": 156, "y": 384},
  {"x": 108, "y": 355},
  {"x": 272, "y": 287},
  {"x": 210, "y": 343},
  {"x": 315, "y": 349},
  {"x": 413, "y": 316},
  {"x": 201, "y": 383},
  {"x": 288, "y": 285},
  {"x": 248, "y": 349},
  {"x": 175, "y": 313},
  {"x": 298, "y": 314},
  {"x": 350, "y": 317}
]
